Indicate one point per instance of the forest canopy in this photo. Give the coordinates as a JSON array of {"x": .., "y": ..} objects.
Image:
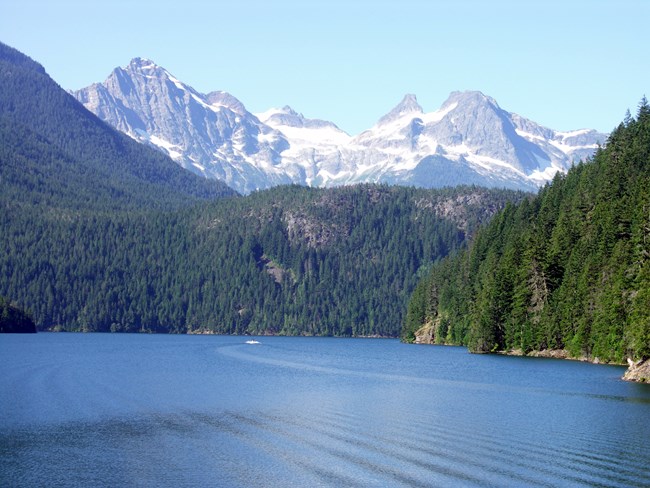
[{"x": 290, "y": 260}]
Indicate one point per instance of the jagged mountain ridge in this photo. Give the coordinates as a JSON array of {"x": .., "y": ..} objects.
[{"x": 469, "y": 140}]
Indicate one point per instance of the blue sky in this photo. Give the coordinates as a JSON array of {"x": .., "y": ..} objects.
[{"x": 566, "y": 64}]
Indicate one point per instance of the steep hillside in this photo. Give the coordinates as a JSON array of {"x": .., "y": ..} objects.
[
  {"x": 291, "y": 260},
  {"x": 568, "y": 270},
  {"x": 54, "y": 153}
]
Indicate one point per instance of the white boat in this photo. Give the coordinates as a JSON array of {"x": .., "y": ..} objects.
[{"x": 252, "y": 342}]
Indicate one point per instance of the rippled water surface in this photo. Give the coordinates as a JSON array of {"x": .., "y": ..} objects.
[{"x": 141, "y": 410}]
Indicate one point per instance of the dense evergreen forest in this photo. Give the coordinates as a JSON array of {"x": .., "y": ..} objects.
[
  {"x": 290, "y": 260},
  {"x": 569, "y": 269},
  {"x": 13, "y": 319}
]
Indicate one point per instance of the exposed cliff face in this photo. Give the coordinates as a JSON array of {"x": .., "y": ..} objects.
[
  {"x": 315, "y": 233},
  {"x": 425, "y": 334},
  {"x": 638, "y": 371}
]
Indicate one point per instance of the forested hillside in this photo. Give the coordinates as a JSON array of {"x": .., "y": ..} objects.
[
  {"x": 290, "y": 260},
  {"x": 569, "y": 269}
]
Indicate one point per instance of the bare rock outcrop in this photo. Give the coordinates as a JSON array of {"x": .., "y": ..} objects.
[
  {"x": 425, "y": 334},
  {"x": 638, "y": 371}
]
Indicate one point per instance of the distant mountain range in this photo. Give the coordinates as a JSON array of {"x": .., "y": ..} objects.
[{"x": 469, "y": 140}]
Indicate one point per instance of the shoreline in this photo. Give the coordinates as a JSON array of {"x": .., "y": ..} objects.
[
  {"x": 637, "y": 371},
  {"x": 557, "y": 354}
]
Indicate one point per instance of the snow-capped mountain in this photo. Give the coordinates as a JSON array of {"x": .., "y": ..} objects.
[
  {"x": 209, "y": 134},
  {"x": 469, "y": 140}
]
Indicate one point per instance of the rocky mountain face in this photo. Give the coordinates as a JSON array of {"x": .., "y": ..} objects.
[
  {"x": 211, "y": 134},
  {"x": 469, "y": 140}
]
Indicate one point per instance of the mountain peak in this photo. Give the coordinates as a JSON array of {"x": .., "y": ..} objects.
[
  {"x": 142, "y": 64},
  {"x": 469, "y": 97},
  {"x": 289, "y": 111},
  {"x": 227, "y": 100},
  {"x": 408, "y": 105}
]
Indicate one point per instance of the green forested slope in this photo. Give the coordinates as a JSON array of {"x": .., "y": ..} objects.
[
  {"x": 569, "y": 269},
  {"x": 289, "y": 260}
]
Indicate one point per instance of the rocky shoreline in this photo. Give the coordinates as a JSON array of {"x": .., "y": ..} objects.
[
  {"x": 551, "y": 353},
  {"x": 638, "y": 371}
]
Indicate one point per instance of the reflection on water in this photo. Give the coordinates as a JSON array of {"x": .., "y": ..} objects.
[{"x": 131, "y": 410}]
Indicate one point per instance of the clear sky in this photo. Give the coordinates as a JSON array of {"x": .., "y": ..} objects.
[{"x": 566, "y": 64}]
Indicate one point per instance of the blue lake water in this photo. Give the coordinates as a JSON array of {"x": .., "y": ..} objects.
[{"x": 157, "y": 410}]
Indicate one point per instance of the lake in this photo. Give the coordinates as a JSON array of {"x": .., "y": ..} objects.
[{"x": 163, "y": 410}]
